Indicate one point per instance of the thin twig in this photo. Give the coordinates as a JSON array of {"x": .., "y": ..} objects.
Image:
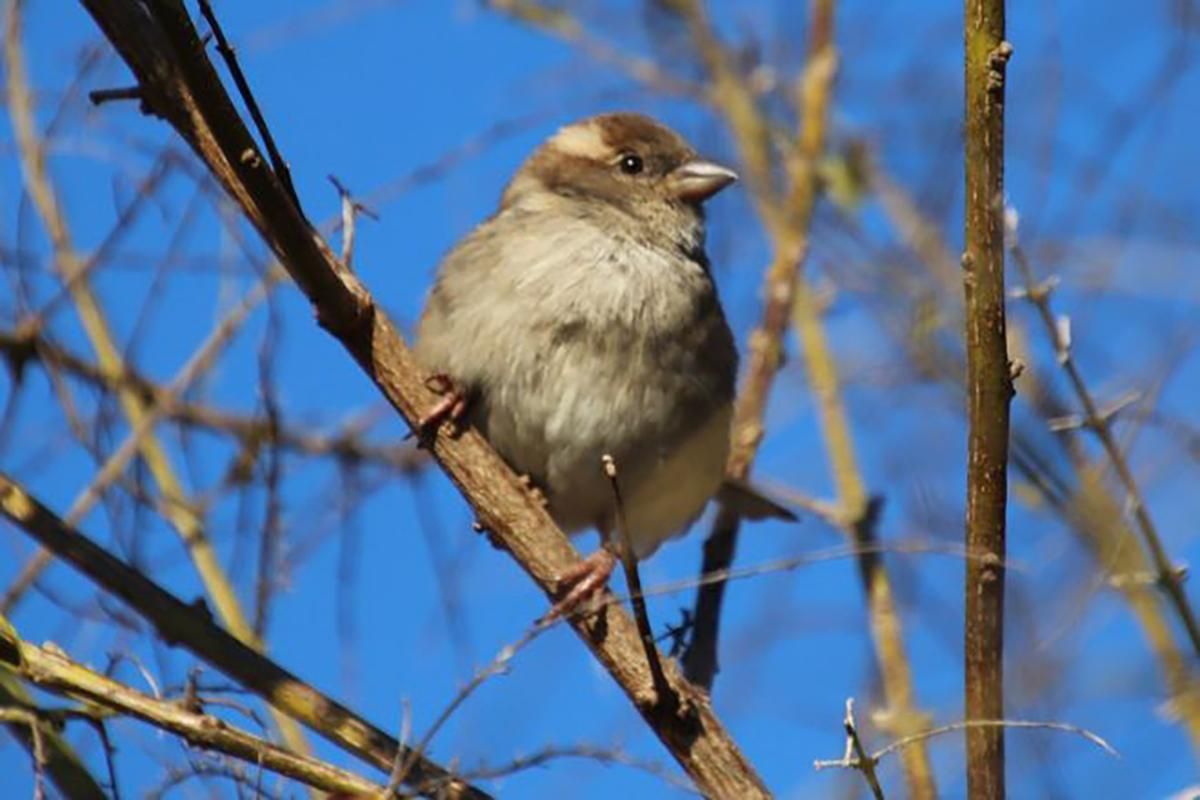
[
  {"x": 192, "y": 627},
  {"x": 29, "y": 718},
  {"x": 856, "y": 756},
  {"x": 243, "y": 86},
  {"x": 50, "y": 669},
  {"x": 815, "y": 557},
  {"x": 997, "y": 723},
  {"x": 101, "y": 96},
  {"x": 400, "y": 763},
  {"x": 498, "y": 665},
  {"x": 351, "y": 208},
  {"x": 1099, "y": 423},
  {"x": 603, "y": 755},
  {"x": 68, "y": 263},
  {"x": 665, "y": 696},
  {"x": 858, "y": 510}
]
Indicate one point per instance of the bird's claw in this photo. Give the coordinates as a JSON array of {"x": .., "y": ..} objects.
[
  {"x": 534, "y": 490},
  {"x": 448, "y": 411},
  {"x": 583, "y": 582}
]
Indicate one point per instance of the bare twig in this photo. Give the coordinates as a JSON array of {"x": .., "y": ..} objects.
[
  {"x": 101, "y": 96},
  {"x": 603, "y": 755},
  {"x": 50, "y": 669},
  {"x": 859, "y": 511},
  {"x": 239, "y": 78},
  {"x": 664, "y": 695},
  {"x": 61, "y": 763},
  {"x": 191, "y": 626},
  {"x": 900, "y": 744},
  {"x": 112, "y": 469},
  {"x": 1086, "y": 507},
  {"x": 561, "y": 24},
  {"x": 790, "y": 563},
  {"x": 499, "y": 665},
  {"x": 68, "y": 263},
  {"x": 856, "y": 756},
  {"x": 344, "y": 443},
  {"x": 789, "y": 297},
  {"x": 30, "y": 720},
  {"x": 1098, "y": 421},
  {"x": 790, "y": 243},
  {"x": 351, "y": 208}
]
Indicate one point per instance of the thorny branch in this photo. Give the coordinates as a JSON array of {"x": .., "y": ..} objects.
[{"x": 1098, "y": 422}]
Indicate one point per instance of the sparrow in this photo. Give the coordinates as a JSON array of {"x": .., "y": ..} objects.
[{"x": 581, "y": 320}]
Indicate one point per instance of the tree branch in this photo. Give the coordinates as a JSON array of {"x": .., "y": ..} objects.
[
  {"x": 989, "y": 391},
  {"x": 192, "y": 627},
  {"x": 72, "y": 271},
  {"x": 49, "y": 668},
  {"x": 166, "y": 55}
]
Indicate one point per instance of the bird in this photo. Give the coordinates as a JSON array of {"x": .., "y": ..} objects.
[{"x": 581, "y": 321}]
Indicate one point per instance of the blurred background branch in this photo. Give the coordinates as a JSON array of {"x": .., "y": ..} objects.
[{"x": 360, "y": 567}]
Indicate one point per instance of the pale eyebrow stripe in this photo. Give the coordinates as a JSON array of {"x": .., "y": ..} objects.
[{"x": 584, "y": 141}]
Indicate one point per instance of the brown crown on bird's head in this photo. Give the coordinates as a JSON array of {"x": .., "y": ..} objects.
[{"x": 620, "y": 158}]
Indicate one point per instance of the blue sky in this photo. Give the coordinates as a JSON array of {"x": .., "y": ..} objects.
[{"x": 389, "y": 87}]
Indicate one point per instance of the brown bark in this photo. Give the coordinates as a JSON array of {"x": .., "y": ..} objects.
[{"x": 989, "y": 390}]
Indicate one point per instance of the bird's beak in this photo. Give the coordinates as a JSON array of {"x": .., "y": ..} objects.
[{"x": 696, "y": 181}]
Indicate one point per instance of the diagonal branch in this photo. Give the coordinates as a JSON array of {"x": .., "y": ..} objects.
[
  {"x": 71, "y": 268},
  {"x": 765, "y": 354},
  {"x": 1099, "y": 423},
  {"x": 50, "y": 669},
  {"x": 192, "y": 627},
  {"x": 63, "y": 765},
  {"x": 180, "y": 85}
]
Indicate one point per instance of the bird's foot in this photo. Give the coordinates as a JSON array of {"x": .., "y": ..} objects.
[
  {"x": 534, "y": 490},
  {"x": 582, "y": 583},
  {"x": 449, "y": 410}
]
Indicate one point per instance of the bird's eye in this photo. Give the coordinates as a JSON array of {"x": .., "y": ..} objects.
[{"x": 631, "y": 164}]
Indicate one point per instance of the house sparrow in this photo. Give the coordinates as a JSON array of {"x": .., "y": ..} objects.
[{"x": 580, "y": 320}]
